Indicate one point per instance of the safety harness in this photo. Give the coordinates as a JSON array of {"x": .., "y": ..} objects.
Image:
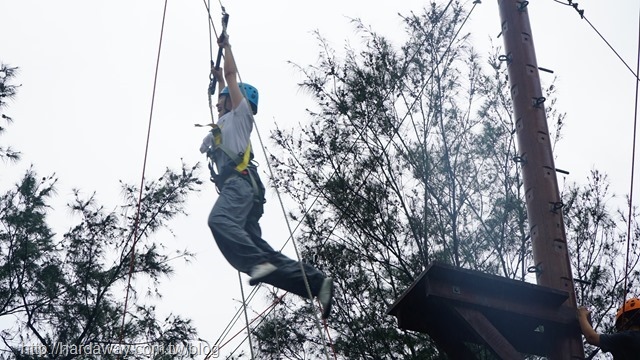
[
  {"x": 241, "y": 164},
  {"x": 240, "y": 160}
]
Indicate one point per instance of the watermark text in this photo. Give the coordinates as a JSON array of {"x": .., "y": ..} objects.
[{"x": 124, "y": 350}]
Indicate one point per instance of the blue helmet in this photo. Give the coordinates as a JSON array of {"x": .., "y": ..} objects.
[{"x": 249, "y": 92}]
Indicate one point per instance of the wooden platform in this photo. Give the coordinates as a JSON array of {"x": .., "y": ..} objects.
[{"x": 457, "y": 307}]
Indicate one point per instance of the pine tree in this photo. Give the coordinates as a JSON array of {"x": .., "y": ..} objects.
[
  {"x": 7, "y": 92},
  {"x": 61, "y": 295},
  {"x": 407, "y": 160},
  {"x": 410, "y": 158}
]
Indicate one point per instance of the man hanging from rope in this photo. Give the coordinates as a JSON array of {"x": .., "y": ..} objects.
[
  {"x": 625, "y": 343},
  {"x": 234, "y": 218}
]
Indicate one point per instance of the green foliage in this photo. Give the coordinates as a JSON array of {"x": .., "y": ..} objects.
[
  {"x": 278, "y": 338},
  {"x": 61, "y": 297},
  {"x": 407, "y": 160},
  {"x": 598, "y": 243},
  {"x": 68, "y": 290},
  {"x": 7, "y": 92}
]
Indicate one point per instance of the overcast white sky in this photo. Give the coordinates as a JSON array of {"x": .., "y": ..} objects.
[{"x": 87, "y": 72}]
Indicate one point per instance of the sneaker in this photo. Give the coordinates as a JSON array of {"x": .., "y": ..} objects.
[
  {"x": 325, "y": 296},
  {"x": 261, "y": 271}
]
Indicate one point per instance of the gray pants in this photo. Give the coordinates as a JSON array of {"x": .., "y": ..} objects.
[{"x": 234, "y": 224}]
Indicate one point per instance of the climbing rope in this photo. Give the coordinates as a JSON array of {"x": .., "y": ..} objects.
[
  {"x": 235, "y": 318},
  {"x": 246, "y": 317},
  {"x": 260, "y": 316},
  {"x": 144, "y": 166},
  {"x": 633, "y": 157}
]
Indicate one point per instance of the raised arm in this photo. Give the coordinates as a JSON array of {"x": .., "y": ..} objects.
[
  {"x": 589, "y": 333},
  {"x": 231, "y": 72}
]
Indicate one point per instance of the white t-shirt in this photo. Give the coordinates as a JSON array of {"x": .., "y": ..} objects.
[{"x": 236, "y": 127}]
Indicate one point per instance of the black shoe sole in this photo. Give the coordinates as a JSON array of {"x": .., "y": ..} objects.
[{"x": 326, "y": 311}]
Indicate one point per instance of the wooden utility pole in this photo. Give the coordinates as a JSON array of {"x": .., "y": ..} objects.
[
  {"x": 544, "y": 205},
  {"x": 510, "y": 318}
]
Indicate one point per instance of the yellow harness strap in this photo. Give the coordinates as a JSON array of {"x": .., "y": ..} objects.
[
  {"x": 241, "y": 162},
  {"x": 245, "y": 159}
]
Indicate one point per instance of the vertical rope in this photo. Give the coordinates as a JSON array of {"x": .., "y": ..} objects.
[
  {"x": 295, "y": 247},
  {"x": 210, "y": 26},
  {"x": 208, "y": 5},
  {"x": 144, "y": 167},
  {"x": 633, "y": 157},
  {"x": 260, "y": 316},
  {"x": 330, "y": 342},
  {"x": 246, "y": 317}
]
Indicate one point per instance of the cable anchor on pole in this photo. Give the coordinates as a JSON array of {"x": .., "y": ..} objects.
[
  {"x": 519, "y": 159},
  {"x": 508, "y": 58},
  {"x": 537, "y": 102},
  {"x": 556, "y": 206},
  {"x": 522, "y": 5}
]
